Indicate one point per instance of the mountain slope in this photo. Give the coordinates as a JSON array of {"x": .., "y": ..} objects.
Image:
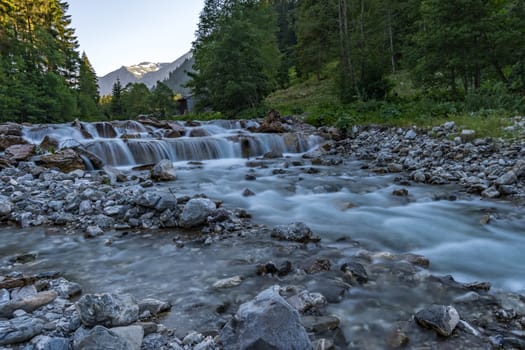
[{"x": 147, "y": 73}]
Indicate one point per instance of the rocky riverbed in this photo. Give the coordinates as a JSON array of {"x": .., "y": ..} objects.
[{"x": 289, "y": 290}]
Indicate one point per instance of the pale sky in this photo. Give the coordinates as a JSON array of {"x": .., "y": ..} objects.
[{"x": 114, "y": 33}]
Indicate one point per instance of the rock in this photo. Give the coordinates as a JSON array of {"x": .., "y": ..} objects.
[
  {"x": 20, "y": 329},
  {"x": 491, "y": 192},
  {"x": 6, "y": 207},
  {"x": 93, "y": 231},
  {"x": 4, "y": 296},
  {"x": 272, "y": 155},
  {"x": 7, "y": 141},
  {"x": 266, "y": 322},
  {"x": 305, "y": 301},
  {"x": 28, "y": 304},
  {"x": 196, "y": 212},
  {"x": 272, "y": 123},
  {"x": 24, "y": 292},
  {"x": 109, "y": 310},
  {"x": 192, "y": 338},
  {"x": 248, "y": 193},
  {"x": 295, "y": 232},
  {"x": 103, "y": 338},
  {"x": 443, "y": 319},
  {"x": 449, "y": 125},
  {"x": 318, "y": 324},
  {"x": 410, "y": 135},
  {"x": 65, "y": 160},
  {"x": 11, "y": 129},
  {"x": 467, "y": 135},
  {"x": 355, "y": 271},
  {"x": 64, "y": 288},
  {"x": 44, "y": 342},
  {"x": 133, "y": 335},
  {"x": 320, "y": 264},
  {"x": 153, "y": 306},
  {"x": 19, "y": 152},
  {"x": 508, "y": 178},
  {"x": 400, "y": 192},
  {"x": 49, "y": 144},
  {"x": 228, "y": 282},
  {"x": 419, "y": 176},
  {"x": 163, "y": 171},
  {"x": 115, "y": 174}
]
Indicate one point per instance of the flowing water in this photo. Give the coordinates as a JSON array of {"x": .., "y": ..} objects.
[{"x": 335, "y": 201}]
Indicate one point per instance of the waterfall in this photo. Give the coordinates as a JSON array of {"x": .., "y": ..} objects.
[{"x": 129, "y": 143}]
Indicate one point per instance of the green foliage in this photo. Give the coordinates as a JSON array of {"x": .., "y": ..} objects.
[
  {"x": 236, "y": 56},
  {"x": 88, "y": 94},
  {"x": 38, "y": 62}
]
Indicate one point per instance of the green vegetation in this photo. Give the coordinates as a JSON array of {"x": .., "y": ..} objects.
[
  {"x": 408, "y": 62},
  {"x": 336, "y": 62}
]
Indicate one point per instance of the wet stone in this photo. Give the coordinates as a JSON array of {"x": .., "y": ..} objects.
[
  {"x": 295, "y": 232},
  {"x": 355, "y": 271},
  {"x": 107, "y": 310},
  {"x": 19, "y": 329},
  {"x": 443, "y": 319}
]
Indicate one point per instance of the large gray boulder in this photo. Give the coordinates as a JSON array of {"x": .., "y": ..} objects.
[
  {"x": 196, "y": 211},
  {"x": 163, "y": 171},
  {"x": 266, "y": 322},
  {"x": 108, "y": 310},
  {"x": 20, "y": 329},
  {"x": 103, "y": 338},
  {"x": 443, "y": 319}
]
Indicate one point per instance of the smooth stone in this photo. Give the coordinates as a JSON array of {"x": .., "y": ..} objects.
[
  {"x": 295, "y": 232},
  {"x": 107, "y": 309},
  {"x": 44, "y": 342},
  {"x": 163, "y": 171},
  {"x": 305, "y": 301},
  {"x": 4, "y": 296},
  {"x": 132, "y": 334},
  {"x": 196, "y": 212},
  {"x": 410, "y": 135},
  {"x": 6, "y": 207},
  {"x": 24, "y": 292},
  {"x": 20, "y": 329},
  {"x": 228, "y": 282},
  {"x": 102, "y": 338},
  {"x": 266, "y": 322},
  {"x": 443, "y": 319},
  {"x": 153, "y": 306},
  {"x": 355, "y": 271},
  {"x": 28, "y": 304}
]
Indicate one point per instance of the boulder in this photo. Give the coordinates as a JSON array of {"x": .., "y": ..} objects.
[
  {"x": 266, "y": 322},
  {"x": 103, "y": 338},
  {"x": 28, "y": 304},
  {"x": 20, "y": 329},
  {"x": 49, "y": 144},
  {"x": 44, "y": 342},
  {"x": 295, "y": 232},
  {"x": 65, "y": 160},
  {"x": 7, "y": 141},
  {"x": 272, "y": 123},
  {"x": 163, "y": 171},
  {"x": 10, "y": 129},
  {"x": 19, "y": 152},
  {"x": 443, "y": 319},
  {"x": 108, "y": 310},
  {"x": 196, "y": 212}
]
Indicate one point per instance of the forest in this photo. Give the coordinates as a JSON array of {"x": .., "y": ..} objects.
[{"x": 336, "y": 60}]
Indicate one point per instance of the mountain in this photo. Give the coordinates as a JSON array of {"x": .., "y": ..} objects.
[{"x": 149, "y": 73}]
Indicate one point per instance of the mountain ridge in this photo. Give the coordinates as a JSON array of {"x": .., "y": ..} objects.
[{"x": 149, "y": 73}]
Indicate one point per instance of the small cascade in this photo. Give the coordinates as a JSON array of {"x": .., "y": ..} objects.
[
  {"x": 112, "y": 152},
  {"x": 129, "y": 143}
]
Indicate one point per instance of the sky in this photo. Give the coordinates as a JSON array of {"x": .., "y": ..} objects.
[{"x": 116, "y": 33}]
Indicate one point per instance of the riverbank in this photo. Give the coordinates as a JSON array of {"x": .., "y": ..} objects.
[{"x": 382, "y": 292}]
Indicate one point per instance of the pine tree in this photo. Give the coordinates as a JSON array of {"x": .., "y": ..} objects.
[
  {"x": 88, "y": 94},
  {"x": 117, "y": 108}
]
